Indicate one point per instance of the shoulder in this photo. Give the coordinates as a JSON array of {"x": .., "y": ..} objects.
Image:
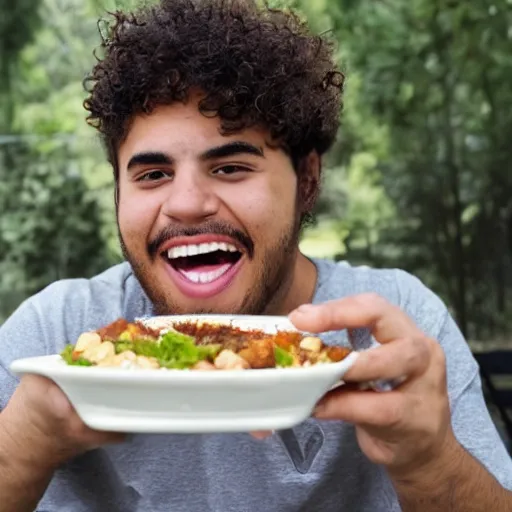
[
  {"x": 57, "y": 315},
  {"x": 84, "y": 301},
  {"x": 337, "y": 280},
  {"x": 341, "y": 279}
]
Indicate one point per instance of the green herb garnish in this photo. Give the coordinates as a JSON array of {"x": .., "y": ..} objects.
[
  {"x": 123, "y": 346},
  {"x": 208, "y": 351},
  {"x": 177, "y": 350},
  {"x": 67, "y": 355},
  {"x": 283, "y": 357},
  {"x": 171, "y": 350}
]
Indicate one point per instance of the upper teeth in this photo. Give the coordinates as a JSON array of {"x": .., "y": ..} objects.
[{"x": 181, "y": 251}]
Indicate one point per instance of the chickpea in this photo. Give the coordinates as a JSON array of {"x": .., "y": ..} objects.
[
  {"x": 228, "y": 360},
  {"x": 204, "y": 366},
  {"x": 311, "y": 344},
  {"x": 87, "y": 340},
  {"x": 147, "y": 363},
  {"x": 98, "y": 353},
  {"x": 118, "y": 359}
]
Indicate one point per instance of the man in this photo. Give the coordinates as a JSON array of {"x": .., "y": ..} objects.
[{"x": 215, "y": 115}]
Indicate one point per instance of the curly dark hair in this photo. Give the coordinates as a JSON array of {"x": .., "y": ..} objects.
[{"x": 255, "y": 66}]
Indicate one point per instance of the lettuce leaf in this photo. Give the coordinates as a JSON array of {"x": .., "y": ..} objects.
[
  {"x": 208, "y": 351},
  {"x": 67, "y": 355},
  {"x": 283, "y": 357},
  {"x": 172, "y": 350}
]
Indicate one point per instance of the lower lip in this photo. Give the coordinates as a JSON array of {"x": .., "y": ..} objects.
[{"x": 204, "y": 290}]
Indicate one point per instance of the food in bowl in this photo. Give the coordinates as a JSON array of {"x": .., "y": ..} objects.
[{"x": 202, "y": 346}]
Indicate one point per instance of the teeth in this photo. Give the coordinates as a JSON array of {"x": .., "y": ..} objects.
[
  {"x": 192, "y": 249},
  {"x": 205, "y": 277},
  {"x": 192, "y": 276}
]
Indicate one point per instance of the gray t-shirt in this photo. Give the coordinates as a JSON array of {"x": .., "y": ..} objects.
[{"x": 317, "y": 466}]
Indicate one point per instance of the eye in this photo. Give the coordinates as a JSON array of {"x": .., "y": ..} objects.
[
  {"x": 229, "y": 170},
  {"x": 153, "y": 175}
]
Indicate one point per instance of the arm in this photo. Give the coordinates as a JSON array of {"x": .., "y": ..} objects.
[
  {"x": 22, "y": 484},
  {"x": 39, "y": 429},
  {"x": 455, "y": 482},
  {"x": 424, "y": 432},
  {"x": 475, "y": 470}
]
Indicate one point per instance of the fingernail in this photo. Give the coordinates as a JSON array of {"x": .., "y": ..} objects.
[{"x": 305, "y": 308}]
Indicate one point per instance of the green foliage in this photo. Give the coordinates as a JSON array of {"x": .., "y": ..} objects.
[
  {"x": 420, "y": 177},
  {"x": 52, "y": 225},
  {"x": 67, "y": 356},
  {"x": 50, "y": 228},
  {"x": 18, "y": 23},
  {"x": 430, "y": 88}
]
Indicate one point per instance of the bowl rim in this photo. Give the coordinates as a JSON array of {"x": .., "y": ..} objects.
[{"x": 54, "y": 366}]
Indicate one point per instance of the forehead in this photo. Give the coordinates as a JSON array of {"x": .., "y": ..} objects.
[{"x": 182, "y": 131}]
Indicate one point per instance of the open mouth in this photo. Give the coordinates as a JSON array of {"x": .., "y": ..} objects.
[{"x": 203, "y": 263}]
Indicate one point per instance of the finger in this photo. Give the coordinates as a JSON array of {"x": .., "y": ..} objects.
[
  {"x": 261, "y": 434},
  {"x": 60, "y": 405},
  {"x": 363, "y": 408},
  {"x": 36, "y": 380},
  {"x": 385, "y": 320},
  {"x": 405, "y": 357},
  {"x": 102, "y": 438},
  {"x": 43, "y": 385}
]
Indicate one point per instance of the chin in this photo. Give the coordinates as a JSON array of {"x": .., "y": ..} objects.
[{"x": 197, "y": 308}]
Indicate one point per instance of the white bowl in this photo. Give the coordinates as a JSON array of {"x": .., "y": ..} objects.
[{"x": 184, "y": 401}]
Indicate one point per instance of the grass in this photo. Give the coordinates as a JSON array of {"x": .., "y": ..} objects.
[{"x": 321, "y": 241}]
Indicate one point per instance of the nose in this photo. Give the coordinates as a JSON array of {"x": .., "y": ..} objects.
[{"x": 191, "y": 198}]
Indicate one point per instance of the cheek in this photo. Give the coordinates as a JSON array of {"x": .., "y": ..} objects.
[
  {"x": 265, "y": 210},
  {"x": 136, "y": 217}
]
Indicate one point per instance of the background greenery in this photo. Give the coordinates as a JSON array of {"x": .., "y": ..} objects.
[{"x": 420, "y": 178}]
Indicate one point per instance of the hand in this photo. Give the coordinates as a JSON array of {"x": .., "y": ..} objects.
[
  {"x": 43, "y": 429},
  {"x": 409, "y": 428}
]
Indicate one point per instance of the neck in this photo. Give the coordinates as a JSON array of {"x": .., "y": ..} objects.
[{"x": 300, "y": 288}]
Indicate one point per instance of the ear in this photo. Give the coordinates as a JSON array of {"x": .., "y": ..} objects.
[{"x": 309, "y": 170}]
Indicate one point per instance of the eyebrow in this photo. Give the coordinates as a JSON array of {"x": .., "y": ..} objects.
[
  {"x": 149, "y": 158},
  {"x": 231, "y": 149},
  {"x": 225, "y": 150}
]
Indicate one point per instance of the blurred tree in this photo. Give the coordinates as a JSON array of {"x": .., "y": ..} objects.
[
  {"x": 51, "y": 225},
  {"x": 25, "y": 17},
  {"x": 438, "y": 75},
  {"x": 18, "y": 24},
  {"x": 420, "y": 177}
]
